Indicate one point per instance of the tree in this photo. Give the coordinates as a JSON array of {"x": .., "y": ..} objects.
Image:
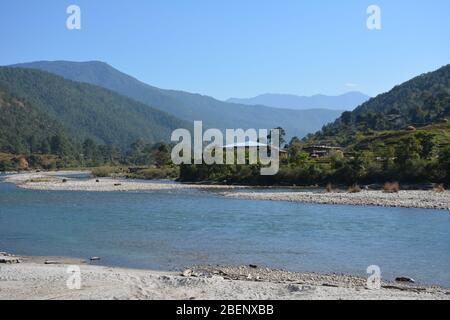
[
  {"x": 428, "y": 142},
  {"x": 282, "y": 134},
  {"x": 45, "y": 148},
  {"x": 444, "y": 162},
  {"x": 418, "y": 116},
  {"x": 59, "y": 145},
  {"x": 89, "y": 149},
  {"x": 294, "y": 149},
  {"x": 161, "y": 155},
  {"x": 347, "y": 118},
  {"x": 409, "y": 148},
  {"x": 138, "y": 146}
]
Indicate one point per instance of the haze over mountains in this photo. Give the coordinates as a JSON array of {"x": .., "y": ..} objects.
[
  {"x": 188, "y": 106},
  {"x": 347, "y": 101}
]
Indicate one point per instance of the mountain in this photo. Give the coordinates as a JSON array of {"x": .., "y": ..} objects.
[
  {"x": 347, "y": 101},
  {"x": 86, "y": 111},
  {"x": 419, "y": 102},
  {"x": 188, "y": 106}
]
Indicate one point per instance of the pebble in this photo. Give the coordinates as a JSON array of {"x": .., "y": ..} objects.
[
  {"x": 294, "y": 288},
  {"x": 187, "y": 273},
  {"x": 406, "y": 199}
]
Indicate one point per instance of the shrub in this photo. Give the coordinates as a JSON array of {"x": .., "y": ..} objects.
[
  {"x": 102, "y": 172},
  {"x": 41, "y": 180},
  {"x": 354, "y": 189},
  {"x": 439, "y": 188},
  {"x": 158, "y": 173},
  {"x": 391, "y": 187}
]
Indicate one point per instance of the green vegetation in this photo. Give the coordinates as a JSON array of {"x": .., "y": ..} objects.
[
  {"x": 47, "y": 122},
  {"x": 155, "y": 173},
  {"x": 397, "y": 156},
  {"x": 422, "y": 101},
  {"x": 141, "y": 161},
  {"x": 86, "y": 111},
  {"x": 25, "y": 129},
  {"x": 402, "y": 135},
  {"x": 147, "y": 173},
  {"x": 108, "y": 171}
]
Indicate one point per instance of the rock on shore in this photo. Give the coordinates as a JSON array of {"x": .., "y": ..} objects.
[{"x": 6, "y": 258}]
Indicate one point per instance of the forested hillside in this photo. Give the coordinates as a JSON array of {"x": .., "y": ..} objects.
[
  {"x": 189, "y": 106},
  {"x": 421, "y": 101},
  {"x": 24, "y": 129},
  {"x": 88, "y": 111},
  {"x": 402, "y": 136}
]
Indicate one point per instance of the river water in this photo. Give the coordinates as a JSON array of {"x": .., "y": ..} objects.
[{"x": 173, "y": 229}]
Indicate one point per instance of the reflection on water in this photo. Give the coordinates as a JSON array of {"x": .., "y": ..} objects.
[{"x": 170, "y": 230}]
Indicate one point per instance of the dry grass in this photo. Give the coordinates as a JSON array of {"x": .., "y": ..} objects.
[
  {"x": 391, "y": 187},
  {"x": 106, "y": 171},
  {"x": 354, "y": 189},
  {"x": 157, "y": 173},
  {"x": 40, "y": 180}
]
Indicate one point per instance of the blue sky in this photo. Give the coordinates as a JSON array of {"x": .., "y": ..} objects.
[{"x": 237, "y": 48}]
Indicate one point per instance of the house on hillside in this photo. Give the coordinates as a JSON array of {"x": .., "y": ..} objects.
[
  {"x": 320, "y": 151},
  {"x": 251, "y": 145}
]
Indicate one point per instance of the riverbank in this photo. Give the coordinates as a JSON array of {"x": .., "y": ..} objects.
[
  {"x": 55, "y": 181},
  {"x": 401, "y": 199},
  {"x": 33, "y": 279}
]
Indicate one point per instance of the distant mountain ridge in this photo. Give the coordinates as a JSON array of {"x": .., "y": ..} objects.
[
  {"x": 188, "y": 106},
  {"x": 346, "y": 102},
  {"x": 84, "y": 110}
]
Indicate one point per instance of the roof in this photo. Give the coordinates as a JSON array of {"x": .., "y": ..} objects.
[
  {"x": 249, "y": 144},
  {"x": 321, "y": 147}
]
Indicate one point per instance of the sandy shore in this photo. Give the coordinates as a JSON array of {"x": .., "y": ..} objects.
[
  {"x": 32, "y": 279},
  {"x": 55, "y": 181},
  {"x": 402, "y": 199}
]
